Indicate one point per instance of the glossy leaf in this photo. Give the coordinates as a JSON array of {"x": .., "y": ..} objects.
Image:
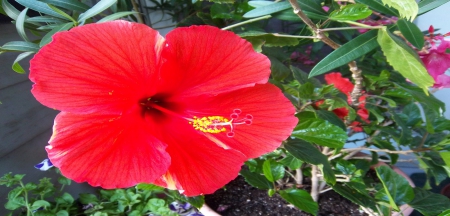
[
  {"x": 68, "y": 4},
  {"x": 429, "y": 203},
  {"x": 39, "y": 7},
  {"x": 351, "y": 12},
  {"x": 16, "y": 66},
  {"x": 346, "y": 53},
  {"x": 291, "y": 162},
  {"x": 306, "y": 5},
  {"x": 256, "y": 180},
  {"x": 397, "y": 53},
  {"x": 20, "y": 24},
  {"x": 354, "y": 195},
  {"x": 428, "y": 5},
  {"x": 289, "y": 16},
  {"x": 273, "y": 170},
  {"x": 307, "y": 152},
  {"x": 10, "y": 10},
  {"x": 20, "y": 46},
  {"x": 116, "y": 16},
  {"x": 320, "y": 132},
  {"x": 411, "y": 32},
  {"x": 331, "y": 117},
  {"x": 395, "y": 186},
  {"x": 48, "y": 37},
  {"x": 407, "y": 8},
  {"x": 300, "y": 199},
  {"x": 96, "y": 9},
  {"x": 196, "y": 201},
  {"x": 377, "y": 5}
]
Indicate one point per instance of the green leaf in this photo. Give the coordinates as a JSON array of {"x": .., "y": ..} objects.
[
  {"x": 429, "y": 203},
  {"x": 273, "y": 170},
  {"x": 428, "y": 5},
  {"x": 320, "y": 132},
  {"x": 87, "y": 198},
  {"x": 411, "y": 32},
  {"x": 96, "y": 9},
  {"x": 196, "y": 201},
  {"x": 331, "y": 117},
  {"x": 62, "y": 13},
  {"x": 397, "y": 188},
  {"x": 116, "y": 16},
  {"x": 350, "y": 51},
  {"x": 307, "y": 152},
  {"x": 256, "y": 180},
  {"x": 278, "y": 70},
  {"x": 20, "y": 24},
  {"x": 354, "y": 195},
  {"x": 379, "y": 6},
  {"x": 48, "y": 37},
  {"x": 16, "y": 66},
  {"x": 10, "y": 10},
  {"x": 397, "y": 53},
  {"x": 268, "y": 39},
  {"x": 150, "y": 187},
  {"x": 300, "y": 199},
  {"x": 351, "y": 12},
  {"x": 39, "y": 7},
  {"x": 20, "y": 46},
  {"x": 62, "y": 213},
  {"x": 306, "y": 5},
  {"x": 306, "y": 91},
  {"x": 46, "y": 19},
  {"x": 292, "y": 162},
  {"x": 68, "y": 4},
  {"x": 14, "y": 203},
  {"x": 407, "y": 8},
  {"x": 39, "y": 203}
]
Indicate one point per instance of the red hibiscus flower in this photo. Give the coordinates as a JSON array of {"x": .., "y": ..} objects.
[
  {"x": 183, "y": 112},
  {"x": 345, "y": 86},
  {"x": 437, "y": 59}
]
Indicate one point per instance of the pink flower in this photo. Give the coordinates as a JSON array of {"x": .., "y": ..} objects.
[{"x": 437, "y": 59}]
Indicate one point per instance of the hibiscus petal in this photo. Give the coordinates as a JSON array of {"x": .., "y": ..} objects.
[
  {"x": 342, "y": 84},
  {"x": 103, "y": 67},
  {"x": 272, "y": 118},
  {"x": 106, "y": 150},
  {"x": 207, "y": 60},
  {"x": 198, "y": 165}
]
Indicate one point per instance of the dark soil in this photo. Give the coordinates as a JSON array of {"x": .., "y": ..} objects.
[{"x": 239, "y": 198}]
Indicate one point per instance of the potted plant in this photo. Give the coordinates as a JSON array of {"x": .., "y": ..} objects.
[{"x": 345, "y": 77}]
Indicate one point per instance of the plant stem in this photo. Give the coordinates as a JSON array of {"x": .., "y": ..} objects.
[
  {"x": 139, "y": 15},
  {"x": 246, "y": 22},
  {"x": 26, "y": 199},
  {"x": 299, "y": 176},
  {"x": 314, "y": 183},
  {"x": 294, "y": 36},
  {"x": 348, "y": 28},
  {"x": 404, "y": 152}
]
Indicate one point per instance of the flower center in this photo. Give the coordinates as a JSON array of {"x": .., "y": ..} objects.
[{"x": 206, "y": 124}]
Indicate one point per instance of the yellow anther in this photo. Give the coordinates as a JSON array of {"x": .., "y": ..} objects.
[{"x": 210, "y": 124}]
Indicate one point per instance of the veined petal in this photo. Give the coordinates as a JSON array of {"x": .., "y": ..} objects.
[
  {"x": 106, "y": 150},
  {"x": 198, "y": 165},
  {"x": 272, "y": 118},
  {"x": 103, "y": 68},
  {"x": 342, "y": 84},
  {"x": 207, "y": 60}
]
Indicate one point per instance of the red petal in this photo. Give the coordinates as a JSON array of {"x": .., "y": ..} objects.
[
  {"x": 198, "y": 166},
  {"x": 273, "y": 117},
  {"x": 341, "y": 112},
  {"x": 207, "y": 60},
  {"x": 106, "y": 150},
  {"x": 103, "y": 67},
  {"x": 342, "y": 84},
  {"x": 364, "y": 114}
]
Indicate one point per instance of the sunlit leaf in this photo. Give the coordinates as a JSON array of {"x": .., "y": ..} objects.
[
  {"x": 48, "y": 37},
  {"x": 428, "y": 5},
  {"x": 116, "y": 16},
  {"x": 320, "y": 132},
  {"x": 16, "y": 66},
  {"x": 351, "y": 12},
  {"x": 407, "y": 8},
  {"x": 68, "y": 4},
  {"x": 395, "y": 186},
  {"x": 300, "y": 199},
  {"x": 429, "y": 203},
  {"x": 96, "y": 9},
  {"x": 39, "y": 7},
  {"x": 411, "y": 32}
]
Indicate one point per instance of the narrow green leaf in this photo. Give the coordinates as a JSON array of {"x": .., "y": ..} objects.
[
  {"x": 300, "y": 199},
  {"x": 407, "y": 8},
  {"x": 377, "y": 5},
  {"x": 16, "y": 66},
  {"x": 428, "y": 5},
  {"x": 312, "y": 6},
  {"x": 429, "y": 203},
  {"x": 46, "y": 19},
  {"x": 396, "y": 187},
  {"x": 68, "y": 4},
  {"x": 62, "y": 13},
  {"x": 96, "y": 9},
  {"x": 39, "y": 7},
  {"x": 20, "y": 24},
  {"x": 20, "y": 46},
  {"x": 404, "y": 59},
  {"x": 48, "y": 37},
  {"x": 273, "y": 170},
  {"x": 10, "y": 10},
  {"x": 265, "y": 9},
  {"x": 257, "y": 3},
  {"x": 411, "y": 32},
  {"x": 256, "y": 180},
  {"x": 307, "y": 152},
  {"x": 320, "y": 132},
  {"x": 348, "y": 52},
  {"x": 268, "y": 39},
  {"x": 351, "y": 12},
  {"x": 116, "y": 16}
]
